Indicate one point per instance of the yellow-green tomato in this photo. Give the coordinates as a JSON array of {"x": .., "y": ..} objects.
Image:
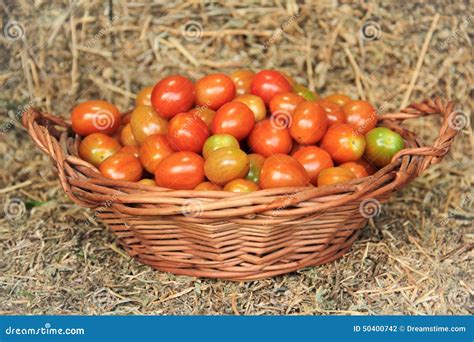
[
  {"x": 217, "y": 141},
  {"x": 381, "y": 145},
  {"x": 255, "y": 167},
  {"x": 226, "y": 164},
  {"x": 307, "y": 94}
]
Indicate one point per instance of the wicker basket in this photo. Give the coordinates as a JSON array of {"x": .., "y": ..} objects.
[{"x": 220, "y": 234}]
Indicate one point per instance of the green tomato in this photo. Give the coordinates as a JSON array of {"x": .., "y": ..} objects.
[
  {"x": 307, "y": 94},
  {"x": 381, "y": 145},
  {"x": 255, "y": 167},
  {"x": 217, "y": 141}
]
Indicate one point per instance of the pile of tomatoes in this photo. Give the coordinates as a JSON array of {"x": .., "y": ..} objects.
[{"x": 241, "y": 133}]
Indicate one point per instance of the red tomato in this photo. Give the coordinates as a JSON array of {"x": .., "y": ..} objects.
[
  {"x": 145, "y": 121},
  {"x": 233, "y": 118},
  {"x": 126, "y": 118},
  {"x": 268, "y": 138},
  {"x": 339, "y": 99},
  {"x": 333, "y": 112},
  {"x": 361, "y": 115},
  {"x": 126, "y": 136},
  {"x": 226, "y": 164},
  {"x": 281, "y": 170},
  {"x": 314, "y": 160},
  {"x": 285, "y": 102},
  {"x": 214, "y": 90},
  {"x": 97, "y": 147},
  {"x": 242, "y": 79},
  {"x": 133, "y": 150},
  {"x": 343, "y": 143},
  {"x": 309, "y": 123},
  {"x": 122, "y": 166},
  {"x": 335, "y": 175},
  {"x": 255, "y": 104},
  {"x": 241, "y": 185},
  {"x": 95, "y": 116},
  {"x": 359, "y": 168},
  {"x": 290, "y": 79},
  {"x": 208, "y": 186},
  {"x": 154, "y": 149},
  {"x": 268, "y": 83},
  {"x": 144, "y": 97},
  {"x": 187, "y": 132},
  {"x": 205, "y": 114},
  {"x": 180, "y": 171},
  {"x": 173, "y": 95}
]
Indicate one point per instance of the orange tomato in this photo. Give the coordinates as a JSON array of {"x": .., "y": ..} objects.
[
  {"x": 214, "y": 90},
  {"x": 95, "y": 116},
  {"x": 343, "y": 143},
  {"x": 154, "y": 149},
  {"x": 145, "y": 121},
  {"x": 204, "y": 113},
  {"x": 255, "y": 104},
  {"x": 335, "y": 175},
  {"x": 242, "y": 80},
  {"x": 360, "y": 168},
  {"x": 281, "y": 170},
  {"x": 187, "y": 132},
  {"x": 233, "y": 118},
  {"x": 133, "y": 150},
  {"x": 208, "y": 186},
  {"x": 309, "y": 123},
  {"x": 285, "y": 102},
  {"x": 126, "y": 136},
  {"x": 122, "y": 166},
  {"x": 268, "y": 138},
  {"x": 147, "y": 181},
  {"x": 339, "y": 99},
  {"x": 97, "y": 147},
  {"x": 180, "y": 170},
  {"x": 226, "y": 164},
  {"x": 333, "y": 112},
  {"x": 314, "y": 160},
  {"x": 361, "y": 115},
  {"x": 144, "y": 97},
  {"x": 241, "y": 185}
]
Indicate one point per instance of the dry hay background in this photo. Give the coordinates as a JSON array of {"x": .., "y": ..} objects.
[{"x": 415, "y": 257}]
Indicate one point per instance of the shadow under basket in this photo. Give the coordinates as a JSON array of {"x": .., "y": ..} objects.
[{"x": 219, "y": 234}]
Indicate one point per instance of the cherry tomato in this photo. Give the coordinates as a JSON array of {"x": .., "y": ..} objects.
[
  {"x": 133, "y": 150},
  {"x": 233, "y": 118},
  {"x": 242, "y": 79},
  {"x": 208, "y": 186},
  {"x": 187, "y": 132},
  {"x": 95, "y": 116},
  {"x": 339, "y": 99},
  {"x": 144, "y": 97},
  {"x": 214, "y": 90},
  {"x": 335, "y": 175},
  {"x": 268, "y": 138},
  {"x": 333, "y": 112},
  {"x": 255, "y": 167},
  {"x": 154, "y": 149},
  {"x": 309, "y": 123},
  {"x": 361, "y": 115},
  {"x": 314, "y": 160},
  {"x": 147, "y": 181},
  {"x": 290, "y": 79},
  {"x": 285, "y": 102},
  {"x": 122, "y": 166},
  {"x": 359, "y": 168},
  {"x": 173, "y": 95},
  {"x": 180, "y": 170},
  {"x": 241, "y": 185},
  {"x": 343, "y": 143},
  {"x": 281, "y": 170},
  {"x": 126, "y": 136},
  {"x": 304, "y": 92},
  {"x": 226, "y": 164},
  {"x": 126, "y": 118},
  {"x": 268, "y": 83},
  {"x": 255, "y": 104},
  {"x": 217, "y": 141},
  {"x": 205, "y": 114},
  {"x": 145, "y": 121},
  {"x": 382, "y": 145},
  {"x": 97, "y": 147}
]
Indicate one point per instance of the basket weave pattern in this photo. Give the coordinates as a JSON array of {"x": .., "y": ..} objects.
[{"x": 226, "y": 235}]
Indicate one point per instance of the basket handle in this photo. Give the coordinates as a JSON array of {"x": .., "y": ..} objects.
[{"x": 449, "y": 129}]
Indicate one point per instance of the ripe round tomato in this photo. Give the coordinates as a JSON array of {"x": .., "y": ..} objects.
[
  {"x": 333, "y": 112},
  {"x": 290, "y": 79},
  {"x": 173, "y": 95},
  {"x": 187, "y": 132},
  {"x": 122, "y": 166},
  {"x": 205, "y": 114},
  {"x": 339, "y": 99},
  {"x": 97, "y": 147},
  {"x": 233, "y": 118},
  {"x": 255, "y": 167},
  {"x": 217, "y": 141},
  {"x": 241, "y": 185},
  {"x": 314, "y": 160},
  {"x": 208, "y": 186},
  {"x": 335, "y": 175},
  {"x": 126, "y": 136},
  {"x": 382, "y": 145},
  {"x": 268, "y": 83},
  {"x": 145, "y": 121},
  {"x": 281, "y": 170},
  {"x": 359, "y": 168},
  {"x": 214, "y": 90},
  {"x": 309, "y": 123},
  {"x": 285, "y": 102},
  {"x": 361, "y": 115},
  {"x": 147, "y": 181},
  {"x": 180, "y": 170},
  {"x": 304, "y": 92},
  {"x": 226, "y": 164},
  {"x": 144, "y": 97},
  {"x": 126, "y": 118},
  {"x": 95, "y": 116},
  {"x": 242, "y": 79},
  {"x": 268, "y": 138},
  {"x": 133, "y": 150},
  {"x": 343, "y": 143},
  {"x": 255, "y": 104},
  {"x": 154, "y": 149}
]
